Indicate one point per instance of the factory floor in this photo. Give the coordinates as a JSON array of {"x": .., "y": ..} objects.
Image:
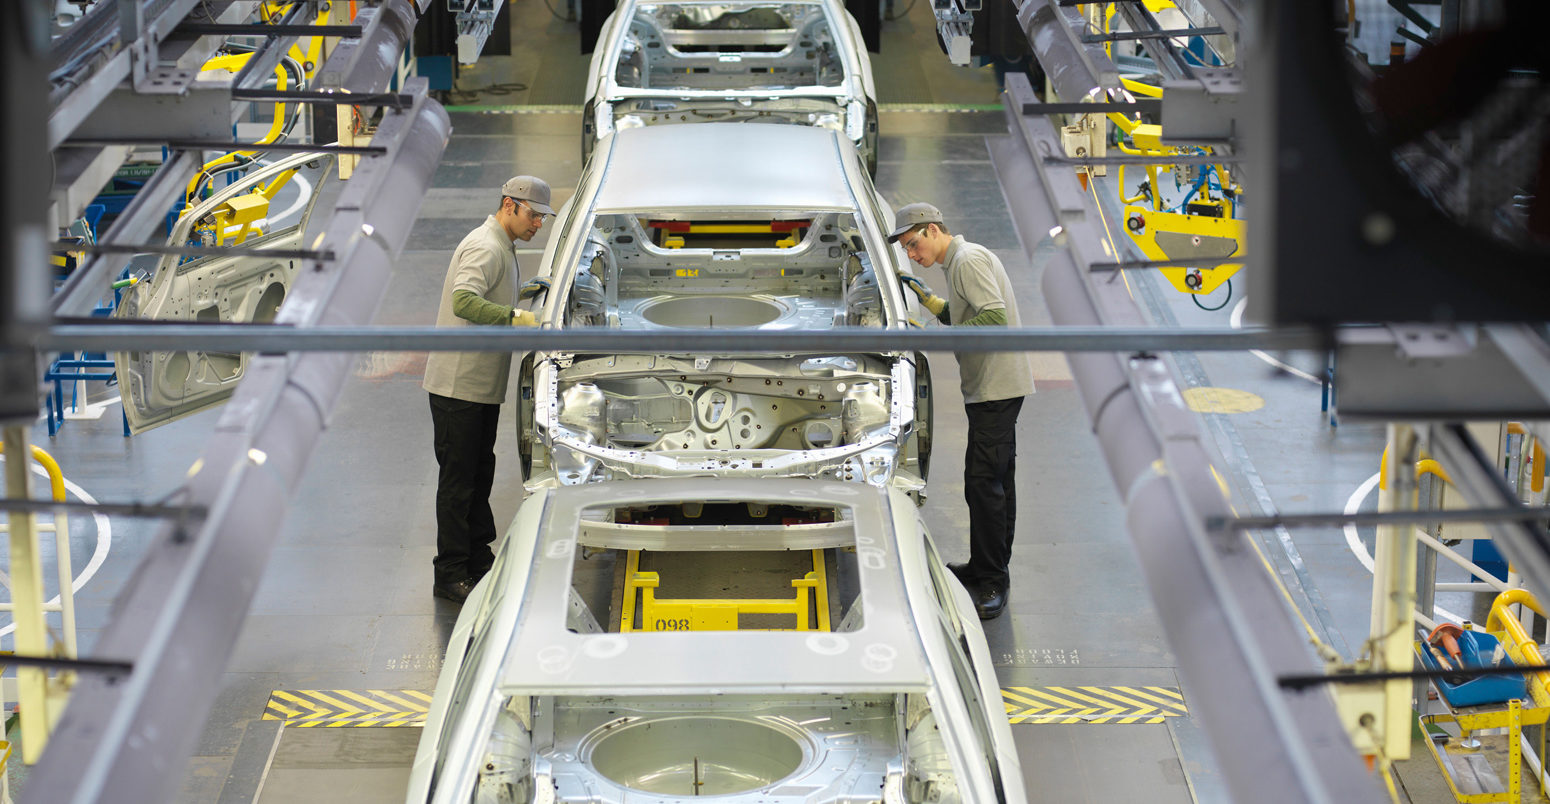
[{"x": 346, "y": 604}]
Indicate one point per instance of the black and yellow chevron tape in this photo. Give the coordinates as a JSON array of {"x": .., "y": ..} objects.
[
  {"x": 1063, "y": 705},
  {"x": 348, "y": 708}
]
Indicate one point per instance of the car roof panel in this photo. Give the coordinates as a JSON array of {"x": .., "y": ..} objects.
[{"x": 725, "y": 166}]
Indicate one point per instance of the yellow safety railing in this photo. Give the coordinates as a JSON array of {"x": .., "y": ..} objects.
[
  {"x": 1423, "y": 467},
  {"x": 41, "y": 697},
  {"x": 60, "y": 527},
  {"x": 720, "y": 614},
  {"x": 1505, "y": 626}
]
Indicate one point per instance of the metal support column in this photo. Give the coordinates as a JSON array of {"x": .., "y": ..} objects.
[{"x": 1393, "y": 595}]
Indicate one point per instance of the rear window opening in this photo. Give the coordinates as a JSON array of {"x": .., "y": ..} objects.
[
  {"x": 705, "y": 47},
  {"x": 728, "y": 234}
]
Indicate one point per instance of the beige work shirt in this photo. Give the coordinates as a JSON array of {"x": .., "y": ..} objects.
[
  {"x": 977, "y": 282},
  {"x": 486, "y": 264}
]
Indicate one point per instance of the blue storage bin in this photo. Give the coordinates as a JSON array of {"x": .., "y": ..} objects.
[{"x": 1477, "y": 648}]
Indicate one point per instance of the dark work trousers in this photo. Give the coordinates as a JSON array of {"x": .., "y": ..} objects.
[
  {"x": 464, "y": 435},
  {"x": 990, "y": 489}
]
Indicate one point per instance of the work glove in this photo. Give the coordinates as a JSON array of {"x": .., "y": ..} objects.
[
  {"x": 523, "y": 318},
  {"x": 534, "y": 287},
  {"x": 936, "y": 304}
]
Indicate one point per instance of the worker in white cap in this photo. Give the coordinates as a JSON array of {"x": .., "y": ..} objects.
[
  {"x": 993, "y": 384},
  {"x": 467, "y": 388}
]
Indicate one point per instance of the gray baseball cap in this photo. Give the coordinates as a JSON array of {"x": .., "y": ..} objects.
[
  {"x": 533, "y": 190},
  {"x": 912, "y": 215}
]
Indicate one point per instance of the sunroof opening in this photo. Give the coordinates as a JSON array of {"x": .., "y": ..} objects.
[{"x": 717, "y": 566}]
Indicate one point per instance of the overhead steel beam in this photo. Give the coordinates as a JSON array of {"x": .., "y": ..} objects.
[
  {"x": 1164, "y": 55},
  {"x": 169, "y": 336},
  {"x": 72, "y": 106},
  {"x": 1225, "y": 619},
  {"x": 366, "y": 64},
  {"x": 1226, "y": 14},
  {"x": 178, "y": 616},
  {"x": 1443, "y": 372},
  {"x": 23, "y": 253},
  {"x": 268, "y": 53},
  {"x": 1075, "y": 68}
]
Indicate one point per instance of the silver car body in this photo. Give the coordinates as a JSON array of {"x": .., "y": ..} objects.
[
  {"x": 798, "y": 62},
  {"x": 820, "y": 262},
  {"x": 897, "y": 702}
]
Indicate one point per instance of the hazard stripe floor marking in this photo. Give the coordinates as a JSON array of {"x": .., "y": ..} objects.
[
  {"x": 334, "y": 709},
  {"x": 1067, "y": 705}
]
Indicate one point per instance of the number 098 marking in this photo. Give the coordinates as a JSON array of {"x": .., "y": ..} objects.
[{"x": 672, "y": 625}]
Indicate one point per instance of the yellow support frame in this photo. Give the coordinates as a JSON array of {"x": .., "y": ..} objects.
[
  {"x": 1197, "y": 232},
  {"x": 1513, "y": 719},
  {"x": 242, "y": 210},
  {"x": 676, "y": 240},
  {"x": 718, "y": 614}
]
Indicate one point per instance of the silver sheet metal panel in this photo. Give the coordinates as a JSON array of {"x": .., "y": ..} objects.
[
  {"x": 570, "y": 663},
  {"x": 798, "y": 168}
]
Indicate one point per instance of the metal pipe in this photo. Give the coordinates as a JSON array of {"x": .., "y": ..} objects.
[
  {"x": 1453, "y": 555},
  {"x": 152, "y": 336},
  {"x": 215, "y": 145},
  {"x": 1469, "y": 586},
  {"x": 148, "y": 510},
  {"x": 1160, "y": 34},
  {"x": 1513, "y": 514}
]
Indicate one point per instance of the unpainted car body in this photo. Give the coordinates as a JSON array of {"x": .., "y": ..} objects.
[
  {"x": 546, "y": 697},
  {"x": 724, "y": 226},
  {"x": 799, "y": 62}
]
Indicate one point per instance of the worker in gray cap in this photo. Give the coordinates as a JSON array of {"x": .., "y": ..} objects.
[
  {"x": 993, "y": 383},
  {"x": 467, "y": 388}
]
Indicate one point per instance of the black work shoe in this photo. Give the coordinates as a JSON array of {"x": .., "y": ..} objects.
[
  {"x": 961, "y": 572},
  {"x": 990, "y": 601},
  {"x": 455, "y": 591}
]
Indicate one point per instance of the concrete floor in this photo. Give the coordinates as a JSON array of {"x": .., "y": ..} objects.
[{"x": 346, "y": 601}]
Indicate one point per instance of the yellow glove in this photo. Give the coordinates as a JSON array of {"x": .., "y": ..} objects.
[
  {"x": 930, "y": 300},
  {"x": 523, "y": 318}
]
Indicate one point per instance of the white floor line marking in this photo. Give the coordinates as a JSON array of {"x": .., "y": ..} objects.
[
  {"x": 1236, "y": 322},
  {"x": 1359, "y": 549},
  {"x": 104, "y": 541},
  {"x": 302, "y": 197},
  {"x": 93, "y": 410}
]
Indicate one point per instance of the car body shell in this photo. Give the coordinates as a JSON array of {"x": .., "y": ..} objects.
[
  {"x": 538, "y": 702},
  {"x": 819, "y": 260},
  {"x": 766, "y": 61}
]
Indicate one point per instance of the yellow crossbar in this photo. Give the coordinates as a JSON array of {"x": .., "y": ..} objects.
[{"x": 718, "y": 614}]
